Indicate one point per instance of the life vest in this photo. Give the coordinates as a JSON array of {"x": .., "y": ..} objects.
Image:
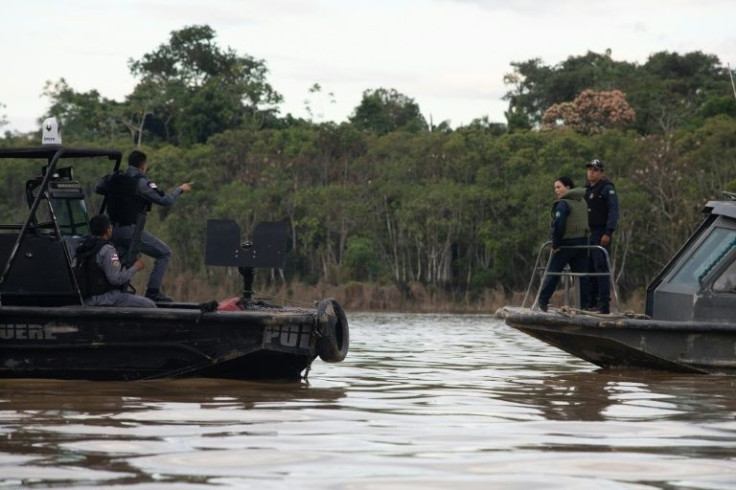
[
  {"x": 596, "y": 197},
  {"x": 91, "y": 279},
  {"x": 123, "y": 202},
  {"x": 576, "y": 225}
]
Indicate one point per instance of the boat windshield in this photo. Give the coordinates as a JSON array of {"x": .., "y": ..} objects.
[
  {"x": 71, "y": 214},
  {"x": 710, "y": 252}
]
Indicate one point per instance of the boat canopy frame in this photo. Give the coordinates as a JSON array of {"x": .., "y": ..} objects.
[{"x": 52, "y": 154}]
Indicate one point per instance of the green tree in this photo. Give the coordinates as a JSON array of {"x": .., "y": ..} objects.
[
  {"x": 361, "y": 260},
  {"x": 383, "y": 111},
  {"x": 666, "y": 92},
  {"x": 204, "y": 88},
  {"x": 3, "y": 116},
  {"x": 536, "y": 87}
]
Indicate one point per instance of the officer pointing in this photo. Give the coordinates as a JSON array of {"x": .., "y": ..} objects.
[{"x": 130, "y": 193}]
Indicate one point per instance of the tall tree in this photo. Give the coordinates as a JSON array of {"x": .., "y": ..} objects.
[
  {"x": 3, "y": 116},
  {"x": 203, "y": 88},
  {"x": 536, "y": 87},
  {"x": 385, "y": 110},
  {"x": 668, "y": 91}
]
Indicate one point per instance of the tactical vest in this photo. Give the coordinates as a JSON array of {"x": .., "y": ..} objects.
[
  {"x": 91, "y": 279},
  {"x": 596, "y": 197},
  {"x": 123, "y": 202},
  {"x": 576, "y": 225}
]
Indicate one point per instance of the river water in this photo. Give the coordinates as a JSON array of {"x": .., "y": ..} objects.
[{"x": 422, "y": 401}]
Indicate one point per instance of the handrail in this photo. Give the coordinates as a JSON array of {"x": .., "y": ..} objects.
[{"x": 567, "y": 273}]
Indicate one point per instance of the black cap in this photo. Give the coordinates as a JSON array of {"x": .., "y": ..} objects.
[{"x": 596, "y": 164}]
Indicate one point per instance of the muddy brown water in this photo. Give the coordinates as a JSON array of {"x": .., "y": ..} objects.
[{"x": 422, "y": 401}]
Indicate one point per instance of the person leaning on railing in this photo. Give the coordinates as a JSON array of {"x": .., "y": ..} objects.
[{"x": 569, "y": 229}]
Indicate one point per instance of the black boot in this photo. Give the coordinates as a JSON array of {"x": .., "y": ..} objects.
[{"x": 157, "y": 296}]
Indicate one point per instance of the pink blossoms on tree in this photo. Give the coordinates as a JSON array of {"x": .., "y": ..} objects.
[{"x": 591, "y": 112}]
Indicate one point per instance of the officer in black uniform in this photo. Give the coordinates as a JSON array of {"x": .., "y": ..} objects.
[
  {"x": 130, "y": 193},
  {"x": 600, "y": 194},
  {"x": 101, "y": 277}
]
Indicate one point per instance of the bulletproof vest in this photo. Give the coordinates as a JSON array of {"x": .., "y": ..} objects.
[
  {"x": 597, "y": 203},
  {"x": 90, "y": 277},
  {"x": 123, "y": 202},
  {"x": 576, "y": 225}
]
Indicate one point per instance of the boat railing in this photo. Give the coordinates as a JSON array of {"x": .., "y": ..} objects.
[{"x": 568, "y": 278}]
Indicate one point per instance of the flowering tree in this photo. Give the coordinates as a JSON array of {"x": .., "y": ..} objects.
[{"x": 591, "y": 112}]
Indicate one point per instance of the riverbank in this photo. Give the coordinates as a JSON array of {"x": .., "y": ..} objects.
[{"x": 364, "y": 296}]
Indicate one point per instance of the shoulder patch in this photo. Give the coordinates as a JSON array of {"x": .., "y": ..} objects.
[
  {"x": 557, "y": 214},
  {"x": 152, "y": 185},
  {"x": 612, "y": 191}
]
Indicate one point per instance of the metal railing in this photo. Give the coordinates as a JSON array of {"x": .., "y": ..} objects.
[{"x": 569, "y": 277}]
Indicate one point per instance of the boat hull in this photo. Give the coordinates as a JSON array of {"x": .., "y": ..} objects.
[
  {"x": 622, "y": 342},
  {"x": 133, "y": 344}
]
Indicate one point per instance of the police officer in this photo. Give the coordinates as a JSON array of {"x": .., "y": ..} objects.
[
  {"x": 569, "y": 229},
  {"x": 600, "y": 194},
  {"x": 100, "y": 275},
  {"x": 130, "y": 193}
]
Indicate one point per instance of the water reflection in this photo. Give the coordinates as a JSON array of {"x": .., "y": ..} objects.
[
  {"x": 422, "y": 401},
  {"x": 634, "y": 395}
]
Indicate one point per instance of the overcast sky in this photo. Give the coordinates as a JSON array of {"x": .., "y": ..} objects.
[{"x": 450, "y": 56}]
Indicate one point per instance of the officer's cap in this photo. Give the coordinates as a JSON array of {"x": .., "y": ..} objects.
[{"x": 596, "y": 164}]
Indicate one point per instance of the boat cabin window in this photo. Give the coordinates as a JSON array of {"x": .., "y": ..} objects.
[
  {"x": 726, "y": 282},
  {"x": 63, "y": 200},
  {"x": 71, "y": 214},
  {"x": 710, "y": 252}
]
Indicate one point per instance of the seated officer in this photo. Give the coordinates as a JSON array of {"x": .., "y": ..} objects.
[{"x": 100, "y": 274}]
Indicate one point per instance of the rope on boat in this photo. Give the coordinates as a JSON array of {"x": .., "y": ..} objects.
[
  {"x": 571, "y": 312},
  {"x": 267, "y": 297}
]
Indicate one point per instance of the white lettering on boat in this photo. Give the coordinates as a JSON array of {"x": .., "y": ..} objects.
[
  {"x": 26, "y": 331},
  {"x": 288, "y": 335}
]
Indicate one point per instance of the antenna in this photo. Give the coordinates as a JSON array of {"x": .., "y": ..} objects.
[{"x": 730, "y": 74}]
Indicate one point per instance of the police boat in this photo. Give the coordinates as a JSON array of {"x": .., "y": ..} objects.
[
  {"x": 689, "y": 324},
  {"x": 46, "y": 331}
]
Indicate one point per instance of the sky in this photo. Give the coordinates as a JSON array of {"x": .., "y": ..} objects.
[{"x": 450, "y": 56}]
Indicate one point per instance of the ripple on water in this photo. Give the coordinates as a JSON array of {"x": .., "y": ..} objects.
[{"x": 422, "y": 401}]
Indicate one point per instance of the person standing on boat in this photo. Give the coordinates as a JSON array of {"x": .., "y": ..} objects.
[
  {"x": 569, "y": 229},
  {"x": 130, "y": 193},
  {"x": 600, "y": 194},
  {"x": 101, "y": 277}
]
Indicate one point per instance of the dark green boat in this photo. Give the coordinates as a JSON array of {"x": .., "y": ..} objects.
[
  {"x": 690, "y": 320},
  {"x": 47, "y": 332}
]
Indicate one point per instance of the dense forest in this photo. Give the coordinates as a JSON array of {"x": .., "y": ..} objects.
[{"x": 388, "y": 210}]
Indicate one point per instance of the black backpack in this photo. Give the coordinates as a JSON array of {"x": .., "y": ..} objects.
[{"x": 90, "y": 278}]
